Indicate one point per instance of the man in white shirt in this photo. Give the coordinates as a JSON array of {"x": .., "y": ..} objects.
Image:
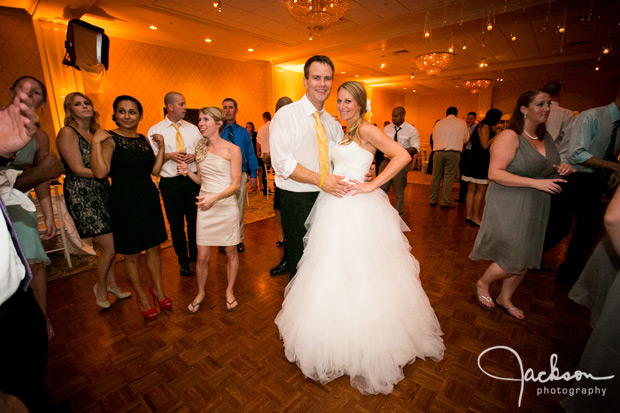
[
  {"x": 408, "y": 137},
  {"x": 449, "y": 136},
  {"x": 295, "y": 155},
  {"x": 262, "y": 138},
  {"x": 559, "y": 120},
  {"x": 178, "y": 192}
]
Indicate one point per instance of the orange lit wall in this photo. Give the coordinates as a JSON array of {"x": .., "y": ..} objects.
[
  {"x": 148, "y": 72},
  {"x": 424, "y": 110},
  {"x": 383, "y": 102},
  {"x": 20, "y": 56}
]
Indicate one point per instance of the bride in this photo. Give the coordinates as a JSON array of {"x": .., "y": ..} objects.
[{"x": 356, "y": 306}]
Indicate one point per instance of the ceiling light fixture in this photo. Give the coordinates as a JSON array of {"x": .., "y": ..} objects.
[
  {"x": 217, "y": 5},
  {"x": 153, "y": 27},
  {"x": 427, "y": 26},
  {"x": 317, "y": 15},
  {"x": 562, "y": 24},
  {"x": 208, "y": 40},
  {"x": 476, "y": 85},
  {"x": 513, "y": 33},
  {"x": 490, "y": 21},
  {"x": 433, "y": 63},
  {"x": 250, "y": 50},
  {"x": 464, "y": 45},
  {"x": 607, "y": 46},
  {"x": 483, "y": 63}
]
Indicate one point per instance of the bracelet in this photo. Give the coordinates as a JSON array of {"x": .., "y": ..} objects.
[{"x": 322, "y": 179}]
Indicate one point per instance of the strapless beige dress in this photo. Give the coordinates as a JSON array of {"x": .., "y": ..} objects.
[{"x": 218, "y": 225}]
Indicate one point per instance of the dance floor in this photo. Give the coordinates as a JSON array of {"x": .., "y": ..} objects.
[{"x": 114, "y": 361}]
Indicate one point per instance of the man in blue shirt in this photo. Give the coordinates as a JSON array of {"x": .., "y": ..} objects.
[
  {"x": 593, "y": 140},
  {"x": 249, "y": 164}
]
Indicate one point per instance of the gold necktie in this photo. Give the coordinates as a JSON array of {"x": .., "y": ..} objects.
[
  {"x": 179, "y": 137},
  {"x": 321, "y": 141}
]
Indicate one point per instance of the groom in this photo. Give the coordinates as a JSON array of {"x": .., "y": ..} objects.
[{"x": 299, "y": 138}]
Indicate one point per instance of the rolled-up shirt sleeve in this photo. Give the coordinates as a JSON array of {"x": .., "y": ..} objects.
[
  {"x": 282, "y": 133},
  {"x": 414, "y": 140},
  {"x": 580, "y": 140}
]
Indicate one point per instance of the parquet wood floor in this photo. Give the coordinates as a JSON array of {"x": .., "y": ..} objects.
[{"x": 114, "y": 361}]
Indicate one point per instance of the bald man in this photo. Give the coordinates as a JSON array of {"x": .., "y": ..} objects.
[{"x": 408, "y": 137}]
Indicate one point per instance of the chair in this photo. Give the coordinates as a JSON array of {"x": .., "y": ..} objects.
[
  {"x": 424, "y": 158},
  {"x": 53, "y": 245},
  {"x": 270, "y": 178}
]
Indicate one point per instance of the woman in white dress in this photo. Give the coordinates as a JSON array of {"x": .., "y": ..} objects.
[
  {"x": 357, "y": 307},
  {"x": 219, "y": 176}
]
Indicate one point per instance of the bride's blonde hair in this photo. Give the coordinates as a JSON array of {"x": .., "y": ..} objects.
[{"x": 359, "y": 96}]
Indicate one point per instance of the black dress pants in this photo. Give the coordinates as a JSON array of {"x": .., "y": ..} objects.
[
  {"x": 295, "y": 208},
  {"x": 179, "y": 195},
  {"x": 581, "y": 198},
  {"x": 23, "y": 350}
]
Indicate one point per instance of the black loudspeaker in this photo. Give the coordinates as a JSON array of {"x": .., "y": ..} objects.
[{"x": 86, "y": 45}]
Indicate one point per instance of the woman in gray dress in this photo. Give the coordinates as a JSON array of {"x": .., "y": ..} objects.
[{"x": 524, "y": 171}]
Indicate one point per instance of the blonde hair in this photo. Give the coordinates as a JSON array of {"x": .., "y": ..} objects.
[
  {"x": 359, "y": 96},
  {"x": 216, "y": 114},
  {"x": 70, "y": 118}
]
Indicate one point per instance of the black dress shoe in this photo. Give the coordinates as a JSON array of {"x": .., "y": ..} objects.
[
  {"x": 545, "y": 267},
  {"x": 279, "y": 269},
  {"x": 240, "y": 247},
  {"x": 185, "y": 271}
]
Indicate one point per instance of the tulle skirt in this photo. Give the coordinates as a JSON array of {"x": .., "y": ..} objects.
[{"x": 356, "y": 305}]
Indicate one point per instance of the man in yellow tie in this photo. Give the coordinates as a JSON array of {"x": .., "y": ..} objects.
[
  {"x": 299, "y": 139},
  {"x": 178, "y": 192}
]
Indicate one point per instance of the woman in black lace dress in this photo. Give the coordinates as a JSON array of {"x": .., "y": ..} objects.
[
  {"x": 86, "y": 196},
  {"x": 135, "y": 209}
]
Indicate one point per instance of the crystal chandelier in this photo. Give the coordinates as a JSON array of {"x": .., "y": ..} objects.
[
  {"x": 317, "y": 15},
  {"x": 475, "y": 85},
  {"x": 433, "y": 63}
]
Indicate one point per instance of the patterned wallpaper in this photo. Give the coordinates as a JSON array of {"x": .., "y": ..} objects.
[
  {"x": 148, "y": 72},
  {"x": 20, "y": 56}
]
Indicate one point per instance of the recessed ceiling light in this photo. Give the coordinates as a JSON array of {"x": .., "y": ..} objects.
[
  {"x": 208, "y": 40},
  {"x": 250, "y": 50},
  {"x": 153, "y": 27},
  {"x": 357, "y": 75},
  {"x": 343, "y": 72}
]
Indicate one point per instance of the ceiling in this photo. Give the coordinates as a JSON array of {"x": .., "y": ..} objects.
[{"x": 374, "y": 33}]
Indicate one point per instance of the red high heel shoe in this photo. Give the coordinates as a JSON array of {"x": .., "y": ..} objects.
[
  {"x": 164, "y": 304},
  {"x": 149, "y": 314}
]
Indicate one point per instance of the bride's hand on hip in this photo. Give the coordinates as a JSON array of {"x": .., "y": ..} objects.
[
  {"x": 335, "y": 185},
  {"x": 362, "y": 187}
]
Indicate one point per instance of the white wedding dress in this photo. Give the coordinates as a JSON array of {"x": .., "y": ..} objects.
[{"x": 356, "y": 305}]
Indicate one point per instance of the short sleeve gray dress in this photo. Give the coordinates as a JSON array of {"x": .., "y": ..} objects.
[{"x": 515, "y": 218}]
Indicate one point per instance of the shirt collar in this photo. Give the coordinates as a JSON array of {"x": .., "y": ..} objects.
[
  {"x": 172, "y": 123},
  {"x": 614, "y": 113},
  {"x": 308, "y": 107}
]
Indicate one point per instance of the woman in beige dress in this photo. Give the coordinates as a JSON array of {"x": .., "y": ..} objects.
[{"x": 217, "y": 224}]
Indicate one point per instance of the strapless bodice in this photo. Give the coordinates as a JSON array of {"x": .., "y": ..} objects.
[{"x": 351, "y": 161}]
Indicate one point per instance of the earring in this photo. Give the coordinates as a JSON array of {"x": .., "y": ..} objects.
[{"x": 524, "y": 116}]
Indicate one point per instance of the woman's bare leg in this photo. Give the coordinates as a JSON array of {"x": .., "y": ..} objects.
[
  {"x": 132, "y": 269},
  {"x": 232, "y": 268},
  {"x": 202, "y": 272},
  {"x": 481, "y": 190}
]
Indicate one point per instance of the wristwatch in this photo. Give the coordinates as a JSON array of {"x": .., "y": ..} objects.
[{"x": 6, "y": 161}]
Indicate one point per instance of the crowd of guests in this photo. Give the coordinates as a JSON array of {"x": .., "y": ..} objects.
[{"x": 524, "y": 184}]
